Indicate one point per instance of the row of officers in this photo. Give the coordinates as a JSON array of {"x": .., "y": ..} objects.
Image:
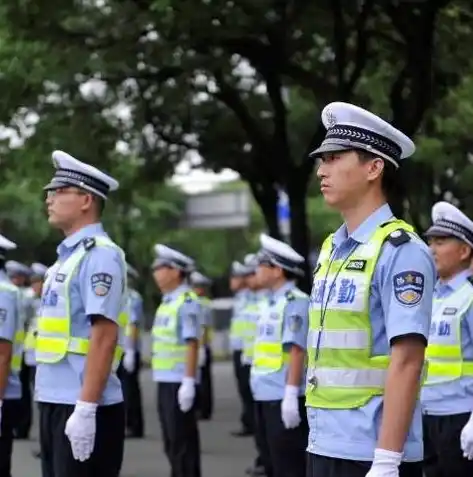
[{"x": 369, "y": 376}]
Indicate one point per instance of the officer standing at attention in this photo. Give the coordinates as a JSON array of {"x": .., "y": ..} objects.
[
  {"x": 80, "y": 331},
  {"x": 132, "y": 360},
  {"x": 257, "y": 300},
  {"x": 11, "y": 343},
  {"x": 278, "y": 369},
  {"x": 238, "y": 329},
  {"x": 370, "y": 311},
  {"x": 19, "y": 274},
  {"x": 201, "y": 284},
  {"x": 447, "y": 396},
  {"x": 176, "y": 334},
  {"x": 38, "y": 273}
]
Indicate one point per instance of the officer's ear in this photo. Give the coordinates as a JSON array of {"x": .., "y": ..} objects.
[{"x": 466, "y": 252}]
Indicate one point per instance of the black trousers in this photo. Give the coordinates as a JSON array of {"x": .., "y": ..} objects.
[
  {"x": 132, "y": 395},
  {"x": 23, "y": 425},
  {"x": 282, "y": 450},
  {"x": 56, "y": 454},
  {"x": 180, "y": 433},
  {"x": 443, "y": 456},
  {"x": 321, "y": 466},
  {"x": 242, "y": 376},
  {"x": 206, "y": 398},
  {"x": 11, "y": 412}
]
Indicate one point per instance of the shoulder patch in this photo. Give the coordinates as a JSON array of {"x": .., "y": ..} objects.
[
  {"x": 89, "y": 243},
  {"x": 290, "y": 295},
  {"x": 470, "y": 279},
  {"x": 408, "y": 287},
  {"x": 398, "y": 237},
  {"x": 101, "y": 283}
]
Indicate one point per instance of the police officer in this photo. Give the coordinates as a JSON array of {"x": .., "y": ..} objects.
[
  {"x": 257, "y": 300},
  {"x": 11, "y": 343},
  {"x": 176, "y": 334},
  {"x": 447, "y": 396},
  {"x": 278, "y": 368},
  {"x": 201, "y": 284},
  {"x": 80, "y": 331},
  {"x": 238, "y": 326},
  {"x": 370, "y": 310},
  {"x": 132, "y": 360},
  {"x": 38, "y": 273},
  {"x": 19, "y": 274}
]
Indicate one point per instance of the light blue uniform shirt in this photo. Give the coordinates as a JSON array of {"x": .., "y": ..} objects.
[
  {"x": 188, "y": 328},
  {"x": 62, "y": 382},
  {"x": 10, "y": 323},
  {"x": 353, "y": 434},
  {"x": 136, "y": 318},
  {"x": 455, "y": 397},
  {"x": 239, "y": 301},
  {"x": 270, "y": 387}
]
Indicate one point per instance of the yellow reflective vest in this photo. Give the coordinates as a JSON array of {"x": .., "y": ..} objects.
[
  {"x": 54, "y": 340},
  {"x": 342, "y": 373}
]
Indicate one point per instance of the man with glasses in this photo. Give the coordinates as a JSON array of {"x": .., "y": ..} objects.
[{"x": 80, "y": 334}]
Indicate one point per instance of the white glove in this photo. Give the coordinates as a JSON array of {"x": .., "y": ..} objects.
[
  {"x": 129, "y": 360},
  {"x": 202, "y": 358},
  {"x": 466, "y": 439},
  {"x": 80, "y": 429},
  {"x": 385, "y": 464},
  {"x": 290, "y": 407},
  {"x": 186, "y": 394}
]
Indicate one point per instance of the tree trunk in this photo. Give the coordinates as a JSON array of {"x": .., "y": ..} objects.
[{"x": 266, "y": 197}]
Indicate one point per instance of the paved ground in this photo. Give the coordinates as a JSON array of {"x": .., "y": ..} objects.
[{"x": 223, "y": 455}]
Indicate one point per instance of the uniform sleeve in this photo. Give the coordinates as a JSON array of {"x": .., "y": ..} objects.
[
  {"x": 407, "y": 291},
  {"x": 468, "y": 322},
  {"x": 102, "y": 283},
  {"x": 8, "y": 315},
  {"x": 296, "y": 322},
  {"x": 136, "y": 312},
  {"x": 189, "y": 320}
]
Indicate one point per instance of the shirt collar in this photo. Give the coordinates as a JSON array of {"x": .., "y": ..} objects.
[
  {"x": 172, "y": 295},
  {"x": 366, "y": 229},
  {"x": 454, "y": 283},
  {"x": 70, "y": 242},
  {"x": 289, "y": 285}
]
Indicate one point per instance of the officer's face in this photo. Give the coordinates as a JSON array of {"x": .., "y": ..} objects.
[
  {"x": 267, "y": 276},
  {"x": 236, "y": 283},
  {"x": 344, "y": 178},
  {"x": 66, "y": 204},
  {"x": 37, "y": 286},
  {"x": 252, "y": 281},
  {"x": 18, "y": 279},
  {"x": 166, "y": 278},
  {"x": 450, "y": 255}
]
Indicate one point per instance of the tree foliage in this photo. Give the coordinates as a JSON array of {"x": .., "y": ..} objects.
[{"x": 133, "y": 85}]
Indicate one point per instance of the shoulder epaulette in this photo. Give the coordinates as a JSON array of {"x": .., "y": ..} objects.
[
  {"x": 188, "y": 297},
  {"x": 89, "y": 243},
  {"x": 470, "y": 279},
  {"x": 398, "y": 237},
  {"x": 289, "y": 295}
]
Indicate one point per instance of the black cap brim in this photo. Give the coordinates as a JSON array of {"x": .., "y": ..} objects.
[{"x": 329, "y": 148}]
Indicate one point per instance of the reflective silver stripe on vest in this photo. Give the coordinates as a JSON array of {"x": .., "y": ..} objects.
[
  {"x": 347, "y": 378},
  {"x": 337, "y": 339}
]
